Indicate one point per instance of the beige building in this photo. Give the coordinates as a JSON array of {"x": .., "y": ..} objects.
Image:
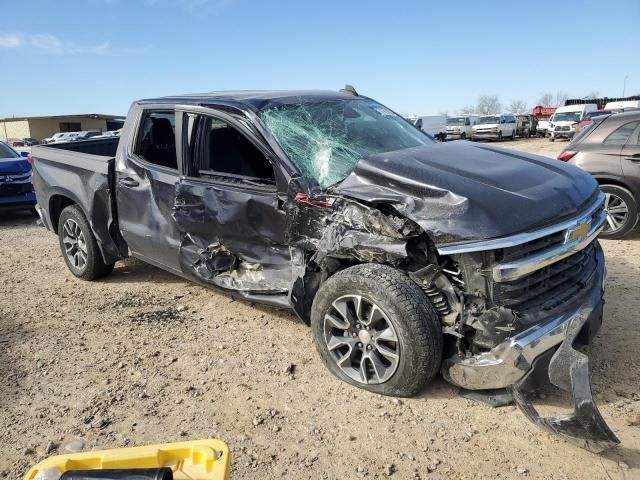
[{"x": 44, "y": 127}]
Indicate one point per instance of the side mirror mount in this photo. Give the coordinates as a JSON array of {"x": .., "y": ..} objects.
[{"x": 24, "y": 154}]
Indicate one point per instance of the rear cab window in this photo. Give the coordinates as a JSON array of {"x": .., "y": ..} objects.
[{"x": 156, "y": 139}]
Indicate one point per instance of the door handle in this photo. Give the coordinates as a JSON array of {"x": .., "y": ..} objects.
[
  {"x": 634, "y": 158},
  {"x": 128, "y": 182}
]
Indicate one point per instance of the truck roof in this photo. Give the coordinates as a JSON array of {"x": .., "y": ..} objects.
[{"x": 253, "y": 99}]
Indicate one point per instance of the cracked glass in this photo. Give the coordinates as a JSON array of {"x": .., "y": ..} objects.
[{"x": 326, "y": 139}]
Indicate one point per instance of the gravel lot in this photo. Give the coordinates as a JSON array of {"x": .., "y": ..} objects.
[{"x": 144, "y": 357}]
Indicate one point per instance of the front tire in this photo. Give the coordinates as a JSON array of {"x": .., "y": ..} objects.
[
  {"x": 375, "y": 329},
  {"x": 79, "y": 246},
  {"x": 622, "y": 214}
]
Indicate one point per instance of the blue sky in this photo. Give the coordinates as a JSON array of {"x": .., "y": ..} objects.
[{"x": 424, "y": 57}]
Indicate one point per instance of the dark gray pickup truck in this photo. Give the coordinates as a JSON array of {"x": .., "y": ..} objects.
[{"x": 406, "y": 256}]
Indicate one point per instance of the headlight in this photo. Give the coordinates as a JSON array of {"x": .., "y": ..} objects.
[{"x": 494, "y": 129}]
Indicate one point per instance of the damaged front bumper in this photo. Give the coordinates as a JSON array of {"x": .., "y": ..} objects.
[{"x": 509, "y": 364}]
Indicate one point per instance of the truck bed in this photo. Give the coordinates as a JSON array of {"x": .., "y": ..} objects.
[{"x": 80, "y": 173}]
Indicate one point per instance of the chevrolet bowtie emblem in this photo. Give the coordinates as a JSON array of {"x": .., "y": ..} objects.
[{"x": 578, "y": 232}]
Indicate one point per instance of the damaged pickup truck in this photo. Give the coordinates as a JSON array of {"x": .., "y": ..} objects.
[{"x": 407, "y": 257}]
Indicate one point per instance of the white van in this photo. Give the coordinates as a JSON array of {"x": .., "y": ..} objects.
[
  {"x": 565, "y": 120},
  {"x": 494, "y": 127},
  {"x": 622, "y": 104},
  {"x": 459, "y": 126},
  {"x": 434, "y": 125}
]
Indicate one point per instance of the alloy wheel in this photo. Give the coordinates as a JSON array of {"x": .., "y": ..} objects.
[
  {"x": 617, "y": 212},
  {"x": 361, "y": 339},
  {"x": 75, "y": 245}
]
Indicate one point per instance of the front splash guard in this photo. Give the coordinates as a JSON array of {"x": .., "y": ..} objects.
[{"x": 569, "y": 371}]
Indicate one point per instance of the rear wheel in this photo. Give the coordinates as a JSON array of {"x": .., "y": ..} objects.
[
  {"x": 375, "y": 329},
  {"x": 79, "y": 246},
  {"x": 622, "y": 212}
]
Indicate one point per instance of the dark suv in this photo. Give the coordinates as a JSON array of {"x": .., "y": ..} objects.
[{"x": 609, "y": 149}]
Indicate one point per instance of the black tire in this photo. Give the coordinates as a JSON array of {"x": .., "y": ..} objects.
[
  {"x": 94, "y": 266},
  {"x": 632, "y": 207},
  {"x": 552, "y": 139},
  {"x": 407, "y": 309},
  {"x": 513, "y": 135},
  {"x": 463, "y": 136},
  {"x": 499, "y": 139}
]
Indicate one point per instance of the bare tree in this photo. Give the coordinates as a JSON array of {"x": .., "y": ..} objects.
[
  {"x": 561, "y": 97},
  {"x": 467, "y": 109},
  {"x": 592, "y": 94},
  {"x": 546, "y": 100},
  {"x": 518, "y": 106},
  {"x": 488, "y": 105}
]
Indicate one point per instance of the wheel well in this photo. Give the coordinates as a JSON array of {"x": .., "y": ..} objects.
[{"x": 57, "y": 204}]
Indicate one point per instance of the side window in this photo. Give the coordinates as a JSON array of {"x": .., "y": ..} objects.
[
  {"x": 634, "y": 139},
  {"x": 228, "y": 152},
  {"x": 156, "y": 142},
  {"x": 621, "y": 134},
  {"x": 467, "y": 121}
]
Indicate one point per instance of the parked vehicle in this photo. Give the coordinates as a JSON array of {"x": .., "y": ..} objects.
[
  {"x": 565, "y": 120},
  {"x": 525, "y": 125},
  {"x": 62, "y": 137},
  {"x": 16, "y": 190},
  {"x": 15, "y": 142},
  {"x": 30, "y": 142},
  {"x": 610, "y": 150},
  {"x": 494, "y": 127},
  {"x": 625, "y": 104},
  {"x": 434, "y": 125},
  {"x": 459, "y": 126},
  {"x": 588, "y": 118},
  {"x": 86, "y": 134},
  {"x": 542, "y": 115},
  {"x": 332, "y": 205}
]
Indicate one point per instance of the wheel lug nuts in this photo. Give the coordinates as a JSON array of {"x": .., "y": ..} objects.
[
  {"x": 359, "y": 345},
  {"x": 358, "y": 325},
  {"x": 369, "y": 347}
]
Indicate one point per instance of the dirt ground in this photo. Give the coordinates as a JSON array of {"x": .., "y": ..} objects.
[{"x": 145, "y": 357}]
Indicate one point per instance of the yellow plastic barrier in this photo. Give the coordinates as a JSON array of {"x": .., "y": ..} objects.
[{"x": 195, "y": 460}]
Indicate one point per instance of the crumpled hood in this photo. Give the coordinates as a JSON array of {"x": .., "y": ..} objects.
[
  {"x": 460, "y": 191},
  {"x": 14, "y": 165}
]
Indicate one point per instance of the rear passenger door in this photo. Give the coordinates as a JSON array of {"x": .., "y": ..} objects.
[
  {"x": 232, "y": 225},
  {"x": 146, "y": 179}
]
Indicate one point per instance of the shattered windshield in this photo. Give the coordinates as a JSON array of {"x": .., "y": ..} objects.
[
  {"x": 456, "y": 121},
  {"x": 326, "y": 139}
]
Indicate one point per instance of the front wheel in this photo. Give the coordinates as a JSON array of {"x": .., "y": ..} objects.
[
  {"x": 375, "y": 329},
  {"x": 79, "y": 246},
  {"x": 499, "y": 139},
  {"x": 463, "y": 136},
  {"x": 622, "y": 212}
]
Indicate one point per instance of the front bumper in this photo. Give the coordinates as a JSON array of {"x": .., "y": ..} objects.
[
  {"x": 484, "y": 135},
  {"x": 509, "y": 364},
  {"x": 23, "y": 201}
]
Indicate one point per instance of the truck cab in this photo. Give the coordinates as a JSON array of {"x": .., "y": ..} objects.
[
  {"x": 459, "y": 126},
  {"x": 565, "y": 121}
]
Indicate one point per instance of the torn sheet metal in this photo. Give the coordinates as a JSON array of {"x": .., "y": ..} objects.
[
  {"x": 569, "y": 371},
  {"x": 232, "y": 238},
  {"x": 460, "y": 192}
]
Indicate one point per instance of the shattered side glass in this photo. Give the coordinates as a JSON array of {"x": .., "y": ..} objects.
[{"x": 326, "y": 139}]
